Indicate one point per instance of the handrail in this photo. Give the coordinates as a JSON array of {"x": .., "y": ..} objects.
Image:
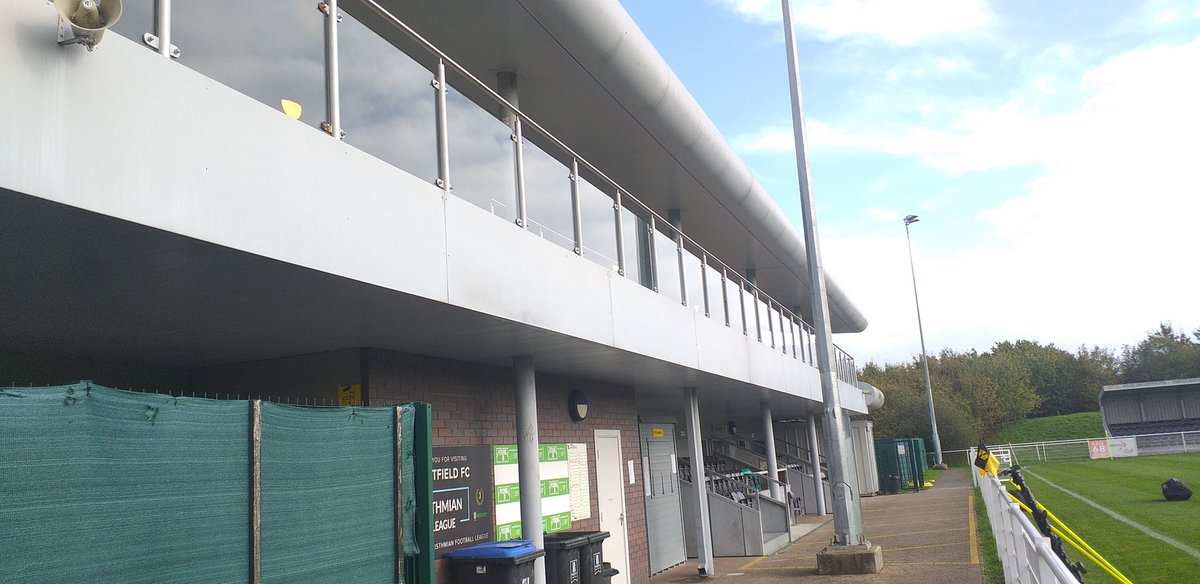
[
  {"x": 1025, "y": 553},
  {"x": 843, "y": 364}
]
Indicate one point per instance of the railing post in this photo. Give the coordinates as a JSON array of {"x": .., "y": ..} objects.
[
  {"x": 704, "y": 282},
  {"x": 792, "y": 331},
  {"x": 620, "y": 232},
  {"x": 742, "y": 305},
  {"x": 683, "y": 293},
  {"x": 725, "y": 294},
  {"x": 757, "y": 319},
  {"x": 652, "y": 248},
  {"x": 162, "y": 27},
  {"x": 333, "y": 114},
  {"x": 576, "y": 211},
  {"x": 519, "y": 168},
  {"x": 443, "y": 132}
]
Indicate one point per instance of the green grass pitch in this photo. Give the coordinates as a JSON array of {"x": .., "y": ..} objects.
[{"x": 1131, "y": 488}]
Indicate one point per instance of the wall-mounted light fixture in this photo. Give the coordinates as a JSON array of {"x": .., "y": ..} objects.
[{"x": 577, "y": 405}]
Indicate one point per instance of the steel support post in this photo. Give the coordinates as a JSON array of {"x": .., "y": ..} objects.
[
  {"x": 443, "y": 131},
  {"x": 704, "y": 282},
  {"x": 527, "y": 459},
  {"x": 652, "y": 252},
  {"x": 772, "y": 461},
  {"x": 506, "y": 85},
  {"x": 333, "y": 113},
  {"x": 255, "y": 491},
  {"x": 847, "y": 510},
  {"x": 676, "y": 220},
  {"x": 162, "y": 26},
  {"x": 576, "y": 210},
  {"x": 725, "y": 294},
  {"x": 619, "y": 225},
  {"x": 703, "y": 535},
  {"x": 814, "y": 455}
]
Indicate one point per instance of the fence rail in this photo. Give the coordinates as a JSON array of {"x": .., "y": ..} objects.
[{"x": 1024, "y": 553}]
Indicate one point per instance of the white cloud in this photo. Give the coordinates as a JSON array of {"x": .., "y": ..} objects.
[
  {"x": 882, "y": 215},
  {"x": 1098, "y": 250},
  {"x": 896, "y": 22}
]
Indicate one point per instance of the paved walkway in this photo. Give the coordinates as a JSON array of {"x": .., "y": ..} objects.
[{"x": 927, "y": 538}]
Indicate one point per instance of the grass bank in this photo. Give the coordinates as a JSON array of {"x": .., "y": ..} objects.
[{"x": 1067, "y": 427}]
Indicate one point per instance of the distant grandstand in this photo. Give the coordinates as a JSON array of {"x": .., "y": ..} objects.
[{"x": 1155, "y": 407}]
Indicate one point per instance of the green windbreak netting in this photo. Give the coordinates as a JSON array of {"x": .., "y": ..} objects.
[
  {"x": 108, "y": 486},
  {"x": 101, "y": 485},
  {"x": 328, "y": 495}
]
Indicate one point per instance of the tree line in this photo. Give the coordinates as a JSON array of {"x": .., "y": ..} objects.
[{"x": 976, "y": 394}]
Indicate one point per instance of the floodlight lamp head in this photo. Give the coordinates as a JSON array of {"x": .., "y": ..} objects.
[
  {"x": 910, "y": 219},
  {"x": 88, "y": 20}
]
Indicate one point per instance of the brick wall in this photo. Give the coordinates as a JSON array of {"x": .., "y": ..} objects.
[{"x": 475, "y": 405}]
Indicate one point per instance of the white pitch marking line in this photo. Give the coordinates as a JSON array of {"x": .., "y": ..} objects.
[{"x": 1123, "y": 519}]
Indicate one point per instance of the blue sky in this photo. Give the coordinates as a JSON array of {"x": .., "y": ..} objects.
[{"x": 1050, "y": 149}]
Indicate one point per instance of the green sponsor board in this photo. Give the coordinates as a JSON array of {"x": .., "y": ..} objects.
[
  {"x": 510, "y": 493},
  {"x": 552, "y": 453},
  {"x": 508, "y": 531},
  {"x": 556, "y": 522},
  {"x": 556, "y": 487},
  {"x": 504, "y": 454}
]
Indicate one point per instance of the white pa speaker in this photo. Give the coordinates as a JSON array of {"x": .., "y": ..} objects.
[{"x": 88, "y": 20}]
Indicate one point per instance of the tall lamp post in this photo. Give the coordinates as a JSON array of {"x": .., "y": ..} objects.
[{"x": 937, "y": 443}]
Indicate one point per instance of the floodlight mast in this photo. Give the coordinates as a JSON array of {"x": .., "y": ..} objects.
[
  {"x": 937, "y": 443},
  {"x": 847, "y": 512}
]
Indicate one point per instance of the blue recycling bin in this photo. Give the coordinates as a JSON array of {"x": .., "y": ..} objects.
[{"x": 496, "y": 562}]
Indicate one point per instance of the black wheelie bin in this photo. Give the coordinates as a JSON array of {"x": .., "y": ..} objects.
[
  {"x": 497, "y": 562},
  {"x": 564, "y": 564}
]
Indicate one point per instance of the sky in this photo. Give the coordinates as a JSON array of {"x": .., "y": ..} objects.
[{"x": 1048, "y": 148}]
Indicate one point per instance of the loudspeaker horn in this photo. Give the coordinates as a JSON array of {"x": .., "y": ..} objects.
[{"x": 88, "y": 20}]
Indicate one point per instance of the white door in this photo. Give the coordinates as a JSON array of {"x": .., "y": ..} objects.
[{"x": 610, "y": 491}]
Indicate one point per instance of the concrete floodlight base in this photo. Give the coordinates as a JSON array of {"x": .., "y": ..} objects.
[{"x": 838, "y": 560}]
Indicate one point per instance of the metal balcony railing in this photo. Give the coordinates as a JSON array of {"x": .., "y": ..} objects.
[{"x": 667, "y": 261}]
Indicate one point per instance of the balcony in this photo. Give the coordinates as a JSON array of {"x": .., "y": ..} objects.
[{"x": 437, "y": 125}]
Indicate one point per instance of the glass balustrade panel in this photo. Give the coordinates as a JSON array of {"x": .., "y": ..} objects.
[
  {"x": 599, "y": 228},
  {"x": 634, "y": 230},
  {"x": 270, "y": 51},
  {"x": 548, "y": 194},
  {"x": 693, "y": 271},
  {"x": 387, "y": 102},
  {"x": 716, "y": 306},
  {"x": 733, "y": 290},
  {"x": 667, "y": 267},
  {"x": 481, "y": 156}
]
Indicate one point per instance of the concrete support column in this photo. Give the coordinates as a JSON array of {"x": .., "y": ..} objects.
[
  {"x": 704, "y": 545},
  {"x": 814, "y": 451},
  {"x": 772, "y": 461},
  {"x": 527, "y": 459}
]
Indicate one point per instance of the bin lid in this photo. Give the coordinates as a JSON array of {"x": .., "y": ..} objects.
[
  {"x": 593, "y": 536},
  {"x": 495, "y": 549},
  {"x": 565, "y": 540}
]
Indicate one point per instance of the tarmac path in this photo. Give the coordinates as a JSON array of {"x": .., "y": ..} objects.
[{"x": 927, "y": 538}]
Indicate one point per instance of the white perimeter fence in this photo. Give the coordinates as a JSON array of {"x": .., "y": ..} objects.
[
  {"x": 1089, "y": 448},
  {"x": 1024, "y": 552}
]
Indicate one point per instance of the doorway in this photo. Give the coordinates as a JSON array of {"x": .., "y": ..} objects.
[{"x": 610, "y": 493}]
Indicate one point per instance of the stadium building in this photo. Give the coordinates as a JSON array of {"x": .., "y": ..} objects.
[
  {"x": 1163, "y": 415},
  {"x": 527, "y": 219}
]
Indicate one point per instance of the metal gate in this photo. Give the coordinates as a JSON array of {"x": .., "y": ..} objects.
[{"x": 664, "y": 511}]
